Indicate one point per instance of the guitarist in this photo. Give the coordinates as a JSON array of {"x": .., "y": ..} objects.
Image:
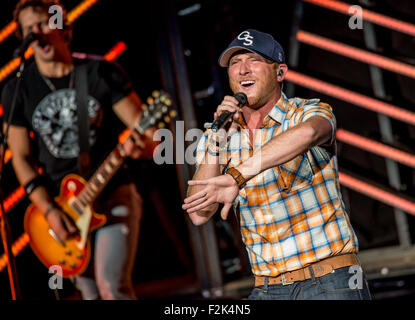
[{"x": 46, "y": 107}]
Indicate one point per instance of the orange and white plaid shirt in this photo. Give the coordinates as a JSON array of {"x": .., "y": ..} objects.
[{"x": 291, "y": 215}]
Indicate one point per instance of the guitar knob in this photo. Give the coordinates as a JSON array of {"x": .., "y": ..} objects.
[
  {"x": 173, "y": 113},
  {"x": 167, "y": 119},
  {"x": 155, "y": 93},
  {"x": 161, "y": 125}
]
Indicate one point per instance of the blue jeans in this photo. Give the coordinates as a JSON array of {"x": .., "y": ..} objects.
[
  {"x": 333, "y": 286},
  {"x": 108, "y": 276}
]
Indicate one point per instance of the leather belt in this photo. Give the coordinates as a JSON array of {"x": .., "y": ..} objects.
[{"x": 320, "y": 269}]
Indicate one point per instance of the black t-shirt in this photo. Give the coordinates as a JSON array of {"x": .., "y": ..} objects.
[{"x": 52, "y": 116}]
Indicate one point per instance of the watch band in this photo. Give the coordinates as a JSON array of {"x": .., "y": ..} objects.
[{"x": 239, "y": 178}]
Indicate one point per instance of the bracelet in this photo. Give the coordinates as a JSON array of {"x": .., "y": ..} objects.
[
  {"x": 214, "y": 143},
  {"x": 239, "y": 178},
  {"x": 49, "y": 209},
  {"x": 33, "y": 184},
  {"x": 214, "y": 153}
]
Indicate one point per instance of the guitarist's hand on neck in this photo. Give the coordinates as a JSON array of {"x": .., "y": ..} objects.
[{"x": 140, "y": 146}]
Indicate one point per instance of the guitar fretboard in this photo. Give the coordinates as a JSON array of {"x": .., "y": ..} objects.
[{"x": 100, "y": 179}]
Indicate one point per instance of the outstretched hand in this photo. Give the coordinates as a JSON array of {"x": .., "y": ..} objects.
[{"x": 221, "y": 189}]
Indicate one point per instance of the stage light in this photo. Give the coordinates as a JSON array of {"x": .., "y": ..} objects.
[
  {"x": 80, "y": 10},
  {"x": 376, "y": 147},
  {"x": 377, "y": 193},
  {"x": 367, "y": 15},
  {"x": 116, "y": 51},
  {"x": 13, "y": 199},
  {"x": 351, "y": 97},
  {"x": 17, "y": 247},
  {"x": 7, "y": 31},
  {"x": 355, "y": 53}
]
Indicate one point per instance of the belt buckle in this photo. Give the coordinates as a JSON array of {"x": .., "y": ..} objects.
[{"x": 284, "y": 282}]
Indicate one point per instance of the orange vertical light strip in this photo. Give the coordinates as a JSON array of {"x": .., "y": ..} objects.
[
  {"x": 7, "y": 156},
  {"x": 13, "y": 199},
  {"x": 376, "y": 147},
  {"x": 80, "y": 10},
  {"x": 74, "y": 14},
  {"x": 355, "y": 53},
  {"x": 115, "y": 52},
  {"x": 377, "y": 193},
  {"x": 7, "y": 31},
  {"x": 368, "y": 15},
  {"x": 17, "y": 247},
  {"x": 351, "y": 97}
]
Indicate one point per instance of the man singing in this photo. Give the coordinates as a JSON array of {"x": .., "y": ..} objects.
[{"x": 277, "y": 167}]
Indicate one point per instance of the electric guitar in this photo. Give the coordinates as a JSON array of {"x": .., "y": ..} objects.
[{"x": 76, "y": 198}]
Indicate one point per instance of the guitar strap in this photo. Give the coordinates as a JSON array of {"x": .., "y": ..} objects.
[{"x": 81, "y": 88}]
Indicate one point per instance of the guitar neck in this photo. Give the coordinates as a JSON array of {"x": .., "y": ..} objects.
[
  {"x": 102, "y": 176},
  {"x": 155, "y": 112}
]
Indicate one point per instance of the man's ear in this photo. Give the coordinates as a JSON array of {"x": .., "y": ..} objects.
[{"x": 281, "y": 72}]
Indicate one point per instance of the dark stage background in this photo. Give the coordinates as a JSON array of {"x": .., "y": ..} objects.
[{"x": 166, "y": 263}]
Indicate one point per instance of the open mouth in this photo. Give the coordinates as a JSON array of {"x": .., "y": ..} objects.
[
  {"x": 44, "y": 45},
  {"x": 247, "y": 83}
]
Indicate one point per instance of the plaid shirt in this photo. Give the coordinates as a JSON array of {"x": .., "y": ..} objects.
[{"x": 291, "y": 215}]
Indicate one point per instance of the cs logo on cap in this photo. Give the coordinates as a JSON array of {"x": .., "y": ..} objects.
[{"x": 247, "y": 37}]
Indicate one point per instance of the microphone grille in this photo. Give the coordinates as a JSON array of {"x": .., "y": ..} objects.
[{"x": 241, "y": 97}]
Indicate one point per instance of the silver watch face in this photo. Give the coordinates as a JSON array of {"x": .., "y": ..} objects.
[{"x": 55, "y": 120}]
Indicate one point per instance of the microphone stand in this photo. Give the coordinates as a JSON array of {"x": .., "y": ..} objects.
[{"x": 4, "y": 225}]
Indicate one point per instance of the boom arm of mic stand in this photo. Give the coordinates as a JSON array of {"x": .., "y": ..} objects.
[{"x": 4, "y": 225}]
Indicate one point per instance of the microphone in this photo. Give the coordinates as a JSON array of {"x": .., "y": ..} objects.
[
  {"x": 25, "y": 44},
  {"x": 226, "y": 115}
]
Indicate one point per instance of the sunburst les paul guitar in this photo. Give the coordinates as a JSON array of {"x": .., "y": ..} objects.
[{"x": 76, "y": 198}]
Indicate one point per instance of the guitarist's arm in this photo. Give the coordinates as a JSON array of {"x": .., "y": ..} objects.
[
  {"x": 129, "y": 110},
  {"x": 19, "y": 144}
]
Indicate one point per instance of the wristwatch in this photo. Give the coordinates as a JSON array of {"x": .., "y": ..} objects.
[{"x": 239, "y": 178}]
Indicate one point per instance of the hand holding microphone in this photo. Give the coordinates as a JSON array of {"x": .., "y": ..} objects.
[{"x": 225, "y": 115}]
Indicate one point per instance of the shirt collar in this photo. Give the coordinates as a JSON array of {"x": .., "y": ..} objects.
[
  {"x": 277, "y": 113},
  {"x": 280, "y": 109}
]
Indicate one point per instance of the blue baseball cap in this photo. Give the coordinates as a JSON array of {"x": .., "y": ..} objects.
[{"x": 255, "y": 41}]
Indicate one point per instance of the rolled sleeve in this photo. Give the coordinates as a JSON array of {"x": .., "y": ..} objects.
[{"x": 322, "y": 110}]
